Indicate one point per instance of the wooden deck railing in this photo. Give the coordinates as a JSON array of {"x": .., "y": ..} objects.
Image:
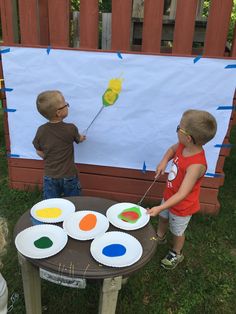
[{"x": 48, "y": 22}]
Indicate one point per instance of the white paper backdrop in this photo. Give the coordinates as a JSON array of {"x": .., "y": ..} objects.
[{"x": 141, "y": 125}]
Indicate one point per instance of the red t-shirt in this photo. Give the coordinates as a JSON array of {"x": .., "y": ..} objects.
[{"x": 190, "y": 204}]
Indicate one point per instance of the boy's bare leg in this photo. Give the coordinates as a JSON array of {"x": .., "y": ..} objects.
[
  {"x": 178, "y": 243},
  {"x": 162, "y": 227}
]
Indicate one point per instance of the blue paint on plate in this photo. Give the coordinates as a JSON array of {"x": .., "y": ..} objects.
[{"x": 114, "y": 250}]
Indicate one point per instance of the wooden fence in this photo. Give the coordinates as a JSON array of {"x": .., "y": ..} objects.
[{"x": 37, "y": 23}]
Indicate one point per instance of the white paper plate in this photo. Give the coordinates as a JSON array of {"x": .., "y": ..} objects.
[
  {"x": 65, "y": 207},
  {"x": 114, "y": 211},
  {"x": 25, "y": 241},
  {"x": 117, "y": 242},
  {"x": 72, "y": 225}
]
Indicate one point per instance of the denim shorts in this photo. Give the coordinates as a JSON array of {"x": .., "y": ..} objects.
[
  {"x": 177, "y": 224},
  {"x": 61, "y": 187}
]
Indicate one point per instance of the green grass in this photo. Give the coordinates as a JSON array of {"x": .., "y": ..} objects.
[{"x": 203, "y": 283}]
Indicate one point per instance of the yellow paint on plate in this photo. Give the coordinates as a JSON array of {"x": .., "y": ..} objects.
[{"x": 52, "y": 212}]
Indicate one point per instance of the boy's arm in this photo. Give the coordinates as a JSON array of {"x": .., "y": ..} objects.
[
  {"x": 161, "y": 167},
  {"x": 193, "y": 173},
  {"x": 40, "y": 153}
]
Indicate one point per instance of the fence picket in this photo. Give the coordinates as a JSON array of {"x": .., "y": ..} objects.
[
  {"x": 121, "y": 24},
  {"x": 184, "y": 26},
  {"x": 43, "y": 22},
  {"x": 29, "y": 21},
  {"x": 7, "y": 21},
  {"x": 88, "y": 24},
  {"x": 59, "y": 22},
  {"x": 106, "y": 30},
  {"x": 217, "y": 27},
  {"x": 152, "y": 25}
]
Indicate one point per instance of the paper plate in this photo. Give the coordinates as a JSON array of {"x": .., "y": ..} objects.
[
  {"x": 138, "y": 220},
  {"x": 41, "y": 241},
  {"x": 116, "y": 249},
  {"x": 52, "y": 210},
  {"x": 85, "y": 225}
]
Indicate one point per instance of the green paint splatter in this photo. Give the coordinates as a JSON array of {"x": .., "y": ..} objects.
[
  {"x": 43, "y": 243},
  {"x": 130, "y": 215},
  {"x": 109, "y": 97}
]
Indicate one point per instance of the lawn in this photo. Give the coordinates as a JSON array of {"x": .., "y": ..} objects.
[{"x": 203, "y": 283}]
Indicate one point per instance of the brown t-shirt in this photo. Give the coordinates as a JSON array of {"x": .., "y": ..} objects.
[{"x": 56, "y": 142}]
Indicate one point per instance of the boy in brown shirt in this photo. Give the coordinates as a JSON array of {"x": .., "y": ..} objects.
[{"x": 54, "y": 143}]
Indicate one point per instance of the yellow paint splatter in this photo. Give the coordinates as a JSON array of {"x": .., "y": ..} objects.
[
  {"x": 115, "y": 85},
  {"x": 112, "y": 92},
  {"x": 52, "y": 212}
]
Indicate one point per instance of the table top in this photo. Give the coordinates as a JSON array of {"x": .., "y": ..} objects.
[{"x": 75, "y": 259}]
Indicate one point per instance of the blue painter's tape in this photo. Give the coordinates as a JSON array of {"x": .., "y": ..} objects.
[
  {"x": 9, "y": 110},
  {"x": 144, "y": 167},
  {"x": 48, "y": 49},
  {"x": 5, "y": 50},
  {"x": 5, "y": 89},
  {"x": 230, "y": 66},
  {"x": 12, "y": 155},
  {"x": 119, "y": 55},
  {"x": 195, "y": 60},
  {"x": 224, "y": 145},
  {"x": 226, "y": 108},
  {"x": 214, "y": 175}
]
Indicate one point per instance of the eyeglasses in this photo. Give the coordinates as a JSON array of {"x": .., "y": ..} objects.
[
  {"x": 185, "y": 133},
  {"x": 66, "y": 105}
]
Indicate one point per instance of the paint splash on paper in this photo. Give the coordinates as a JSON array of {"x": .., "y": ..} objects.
[
  {"x": 52, "y": 212},
  {"x": 88, "y": 222},
  {"x": 130, "y": 215},
  {"x": 43, "y": 243},
  {"x": 112, "y": 92}
]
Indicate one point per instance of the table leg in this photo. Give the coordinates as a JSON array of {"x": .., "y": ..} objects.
[
  {"x": 31, "y": 285},
  {"x": 109, "y": 294}
]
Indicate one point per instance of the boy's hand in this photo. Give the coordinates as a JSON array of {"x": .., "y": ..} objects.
[
  {"x": 82, "y": 138},
  {"x": 160, "y": 168},
  {"x": 154, "y": 211}
]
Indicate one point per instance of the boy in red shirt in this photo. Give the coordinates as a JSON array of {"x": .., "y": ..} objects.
[{"x": 181, "y": 195}]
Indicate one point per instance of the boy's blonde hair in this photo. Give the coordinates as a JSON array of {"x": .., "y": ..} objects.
[
  {"x": 200, "y": 124},
  {"x": 3, "y": 237},
  {"x": 48, "y": 102}
]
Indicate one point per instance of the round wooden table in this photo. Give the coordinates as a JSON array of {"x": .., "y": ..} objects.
[{"x": 76, "y": 261}]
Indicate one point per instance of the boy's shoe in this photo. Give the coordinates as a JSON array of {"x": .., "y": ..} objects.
[
  {"x": 171, "y": 260},
  {"x": 161, "y": 240}
]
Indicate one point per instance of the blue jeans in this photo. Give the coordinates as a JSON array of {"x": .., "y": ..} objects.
[{"x": 61, "y": 187}]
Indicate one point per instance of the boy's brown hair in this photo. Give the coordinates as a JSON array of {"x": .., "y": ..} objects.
[
  {"x": 48, "y": 102},
  {"x": 200, "y": 124}
]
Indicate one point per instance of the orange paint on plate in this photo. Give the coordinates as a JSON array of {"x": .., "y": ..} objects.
[
  {"x": 88, "y": 222},
  {"x": 52, "y": 212}
]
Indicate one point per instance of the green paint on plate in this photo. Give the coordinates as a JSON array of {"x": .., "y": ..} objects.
[
  {"x": 43, "y": 243},
  {"x": 130, "y": 215}
]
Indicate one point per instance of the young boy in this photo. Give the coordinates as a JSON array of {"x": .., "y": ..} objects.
[
  {"x": 54, "y": 143},
  {"x": 181, "y": 195}
]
